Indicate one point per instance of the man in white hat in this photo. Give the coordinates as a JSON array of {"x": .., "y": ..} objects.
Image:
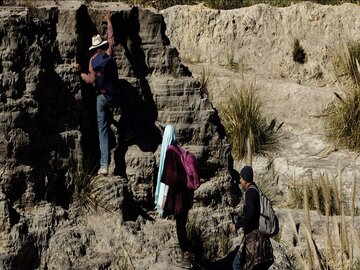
[{"x": 100, "y": 65}]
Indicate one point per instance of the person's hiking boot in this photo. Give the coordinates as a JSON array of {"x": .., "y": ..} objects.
[
  {"x": 103, "y": 171},
  {"x": 184, "y": 261}
]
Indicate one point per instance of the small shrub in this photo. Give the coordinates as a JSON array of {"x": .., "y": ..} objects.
[
  {"x": 242, "y": 116},
  {"x": 298, "y": 53},
  {"x": 342, "y": 122},
  {"x": 347, "y": 61},
  {"x": 84, "y": 186},
  {"x": 204, "y": 80},
  {"x": 321, "y": 195},
  {"x": 341, "y": 238}
]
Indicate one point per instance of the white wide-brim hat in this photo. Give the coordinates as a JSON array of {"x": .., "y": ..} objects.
[{"x": 97, "y": 42}]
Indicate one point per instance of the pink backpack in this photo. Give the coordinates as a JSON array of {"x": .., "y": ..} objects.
[{"x": 189, "y": 161}]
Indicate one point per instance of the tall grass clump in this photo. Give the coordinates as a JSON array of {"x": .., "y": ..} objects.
[
  {"x": 342, "y": 122},
  {"x": 347, "y": 61},
  {"x": 341, "y": 238},
  {"x": 243, "y": 119},
  {"x": 204, "y": 80},
  {"x": 320, "y": 194},
  {"x": 84, "y": 187}
]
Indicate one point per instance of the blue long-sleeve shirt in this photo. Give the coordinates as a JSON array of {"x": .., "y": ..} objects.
[{"x": 251, "y": 214}]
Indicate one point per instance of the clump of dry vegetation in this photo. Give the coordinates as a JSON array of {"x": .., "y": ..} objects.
[
  {"x": 204, "y": 80},
  {"x": 298, "y": 53},
  {"x": 347, "y": 57},
  {"x": 247, "y": 128},
  {"x": 342, "y": 123},
  {"x": 342, "y": 239},
  {"x": 84, "y": 186},
  {"x": 319, "y": 193}
]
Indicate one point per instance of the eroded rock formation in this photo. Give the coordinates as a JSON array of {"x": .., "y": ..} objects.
[{"x": 48, "y": 137}]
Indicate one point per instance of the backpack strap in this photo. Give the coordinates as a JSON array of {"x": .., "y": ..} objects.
[
  {"x": 254, "y": 186},
  {"x": 176, "y": 148}
]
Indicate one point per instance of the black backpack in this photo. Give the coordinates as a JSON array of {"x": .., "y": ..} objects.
[{"x": 106, "y": 75}]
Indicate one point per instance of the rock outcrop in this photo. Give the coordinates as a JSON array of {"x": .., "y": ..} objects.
[
  {"x": 48, "y": 131},
  {"x": 48, "y": 138},
  {"x": 256, "y": 44},
  {"x": 260, "y": 39}
]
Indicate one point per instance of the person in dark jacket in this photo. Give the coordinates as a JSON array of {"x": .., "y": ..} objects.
[{"x": 250, "y": 218}]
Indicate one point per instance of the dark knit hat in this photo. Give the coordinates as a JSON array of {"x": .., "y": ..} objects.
[{"x": 247, "y": 174}]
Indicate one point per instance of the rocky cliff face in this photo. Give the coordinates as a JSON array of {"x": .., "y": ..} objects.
[
  {"x": 49, "y": 133},
  {"x": 260, "y": 39},
  {"x": 256, "y": 44},
  {"x": 48, "y": 130}
]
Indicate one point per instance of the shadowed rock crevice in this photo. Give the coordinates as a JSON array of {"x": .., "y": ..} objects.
[{"x": 136, "y": 125}]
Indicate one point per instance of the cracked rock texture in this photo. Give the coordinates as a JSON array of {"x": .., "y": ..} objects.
[
  {"x": 48, "y": 130},
  {"x": 48, "y": 135}
]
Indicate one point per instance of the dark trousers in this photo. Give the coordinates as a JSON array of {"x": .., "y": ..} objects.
[{"x": 181, "y": 221}]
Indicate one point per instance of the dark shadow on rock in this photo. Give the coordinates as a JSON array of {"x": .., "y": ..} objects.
[
  {"x": 17, "y": 188},
  {"x": 13, "y": 216},
  {"x": 57, "y": 113},
  {"x": 235, "y": 191},
  {"x": 136, "y": 126},
  {"x": 28, "y": 256},
  {"x": 132, "y": 210},
  {"x": 86, "y": 29},
  {"x": 223, "y": 263},
  {"x": 138, "y": 109},
  {"x": 126, "y": 33},
  {"x": 130, "y": 40}
]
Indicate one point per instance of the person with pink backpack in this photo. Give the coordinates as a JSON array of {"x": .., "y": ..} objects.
[{"x": 177, "y": 180}]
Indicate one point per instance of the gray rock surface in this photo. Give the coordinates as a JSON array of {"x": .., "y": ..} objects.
[
  {"x": 259, "y": 42},
  {"x": 254, "y": 45},
  {"x": 48, "y": 133},
  {"x": 49, "y": 147}
]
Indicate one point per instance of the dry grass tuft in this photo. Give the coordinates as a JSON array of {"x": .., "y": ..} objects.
[
  {"x": 320, "y": 195},
  {"x": 341, "y": 238},
  {"x": 342, "y": 123},
  {"x": 347, "y": 57},
  {"x": 204, "y": 80},
  {"x": 242, "y": 117}
]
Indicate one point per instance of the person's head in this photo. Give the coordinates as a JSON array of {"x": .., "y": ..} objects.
[
  {"x": 169, "y": 135},
  {"x": 97, "y": 43},
  {"x": 246, "y": 176}
]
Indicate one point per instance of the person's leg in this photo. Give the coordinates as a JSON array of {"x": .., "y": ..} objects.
[
  {"x": 236, "y": 263},
  {"x": 102, "y": 119},
  {"x": 181, "y": 221},
  {"x": 185, "y": 260}
]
